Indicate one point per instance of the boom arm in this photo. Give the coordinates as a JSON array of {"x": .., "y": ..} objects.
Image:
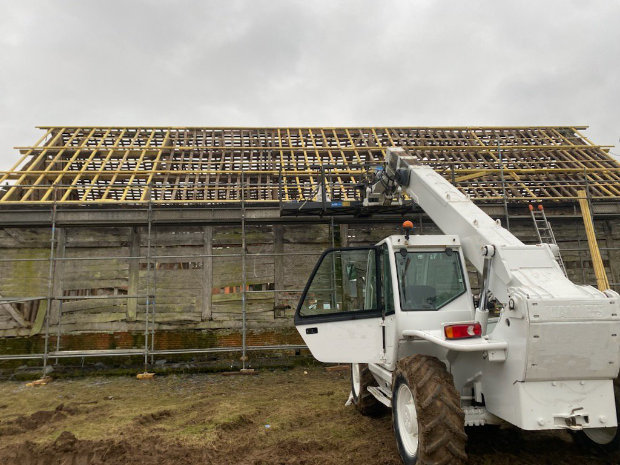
[{"x": 531, "y": 269}]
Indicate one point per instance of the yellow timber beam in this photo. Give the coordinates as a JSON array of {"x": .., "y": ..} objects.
[{"x": 597, "y": 262}]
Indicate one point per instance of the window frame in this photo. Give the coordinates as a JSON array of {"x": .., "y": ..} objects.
[
  {"x": 342, "y": 316},
  {"x": 384, "y": 252},
  {"x": 460, "y": 261}
]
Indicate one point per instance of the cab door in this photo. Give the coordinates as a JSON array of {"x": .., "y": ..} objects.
[{"x": 340, "y": 313}]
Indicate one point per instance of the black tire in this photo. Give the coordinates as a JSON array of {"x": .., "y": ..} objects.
[
  {"x": 603, "y": 440},
  {"x": 433, "y": 411},
  {"x": 364, "y": 401}
]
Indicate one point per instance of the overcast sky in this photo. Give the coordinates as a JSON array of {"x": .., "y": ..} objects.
[{"x": 264, "y": 63}]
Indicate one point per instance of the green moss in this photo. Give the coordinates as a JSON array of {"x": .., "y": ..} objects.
[{"x": 22, "y": 274}]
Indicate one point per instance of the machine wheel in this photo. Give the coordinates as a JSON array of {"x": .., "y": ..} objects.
[
  {"x": 364, "y": 401},
  {"x": 428, "y": 421},
  {"x": 603, "y": 439}
]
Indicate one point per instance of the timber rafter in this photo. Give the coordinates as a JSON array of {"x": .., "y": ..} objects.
[{"x": 202, "y": 165}]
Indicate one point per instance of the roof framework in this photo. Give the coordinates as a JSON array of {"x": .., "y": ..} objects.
[{"x": 201, "y": 165}]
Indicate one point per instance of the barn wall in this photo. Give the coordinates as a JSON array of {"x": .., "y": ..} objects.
[{"x": 195, "y": 276}]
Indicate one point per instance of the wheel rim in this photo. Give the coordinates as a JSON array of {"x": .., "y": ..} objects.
[
  {"x": 356, "y": 379},
  {"x": 407, "y": 420},
  {"x": 600, "y": 436}
]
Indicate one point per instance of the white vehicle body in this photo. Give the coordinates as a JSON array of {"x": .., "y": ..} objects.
[{"x": 548, "y": 360}]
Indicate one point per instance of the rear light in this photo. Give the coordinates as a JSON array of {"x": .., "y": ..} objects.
[{"x": 462, "y": 330}]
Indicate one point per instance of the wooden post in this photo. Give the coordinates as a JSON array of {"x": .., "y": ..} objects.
[
  {"x": 597, "y": 262},
  {"x": 207, "y": 272},
  {"x": 278, "y": 263},
  {"x": 344, "y": 235},
  {"x": 134, "y": 273},
  {"x": 59, "y": 269}
]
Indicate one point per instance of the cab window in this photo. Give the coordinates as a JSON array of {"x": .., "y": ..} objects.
[
  {"x": 429, "y": 280},
  {"x": 344, "y": 281}
]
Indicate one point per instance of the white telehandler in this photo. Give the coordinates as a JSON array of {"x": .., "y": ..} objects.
[{"x": 402, "y": 313}]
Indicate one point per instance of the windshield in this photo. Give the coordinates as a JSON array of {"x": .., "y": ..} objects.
[{"x": 429, "y": 280}]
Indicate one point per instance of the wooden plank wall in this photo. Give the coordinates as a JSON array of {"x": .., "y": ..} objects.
[
  {"x": 25, "y": 277},
  {"x": 102, "y": 270},
  {"x": 201, "y": 292}
]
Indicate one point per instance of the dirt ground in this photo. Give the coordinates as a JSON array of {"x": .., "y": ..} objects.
[{"x": 276, "y": 417}]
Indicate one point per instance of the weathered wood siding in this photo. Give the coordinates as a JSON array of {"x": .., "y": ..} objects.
[
  {"x": 23, "y": 273},
  {"x": 194, "y": 273}
]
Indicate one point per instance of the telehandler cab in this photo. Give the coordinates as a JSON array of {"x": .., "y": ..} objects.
[{"x": 402, "y": 313}]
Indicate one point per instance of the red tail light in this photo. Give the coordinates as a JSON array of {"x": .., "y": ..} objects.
[{"x": 462, "y": 330}]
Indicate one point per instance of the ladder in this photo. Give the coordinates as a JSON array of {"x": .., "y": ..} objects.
[{"x": 544, "y": 231}]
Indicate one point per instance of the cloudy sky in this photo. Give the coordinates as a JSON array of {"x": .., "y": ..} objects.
[{"x": 262, "y": 63}]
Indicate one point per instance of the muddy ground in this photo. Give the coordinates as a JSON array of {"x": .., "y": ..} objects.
[{"x": 277, "y": 417}]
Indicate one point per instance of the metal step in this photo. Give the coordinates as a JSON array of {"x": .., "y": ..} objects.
[
  {"x": 476, "y": 416},
  {"x": 383, "y": 395}
]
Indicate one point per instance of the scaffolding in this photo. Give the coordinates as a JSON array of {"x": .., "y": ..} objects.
[{"x": 148, "y": 350}]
